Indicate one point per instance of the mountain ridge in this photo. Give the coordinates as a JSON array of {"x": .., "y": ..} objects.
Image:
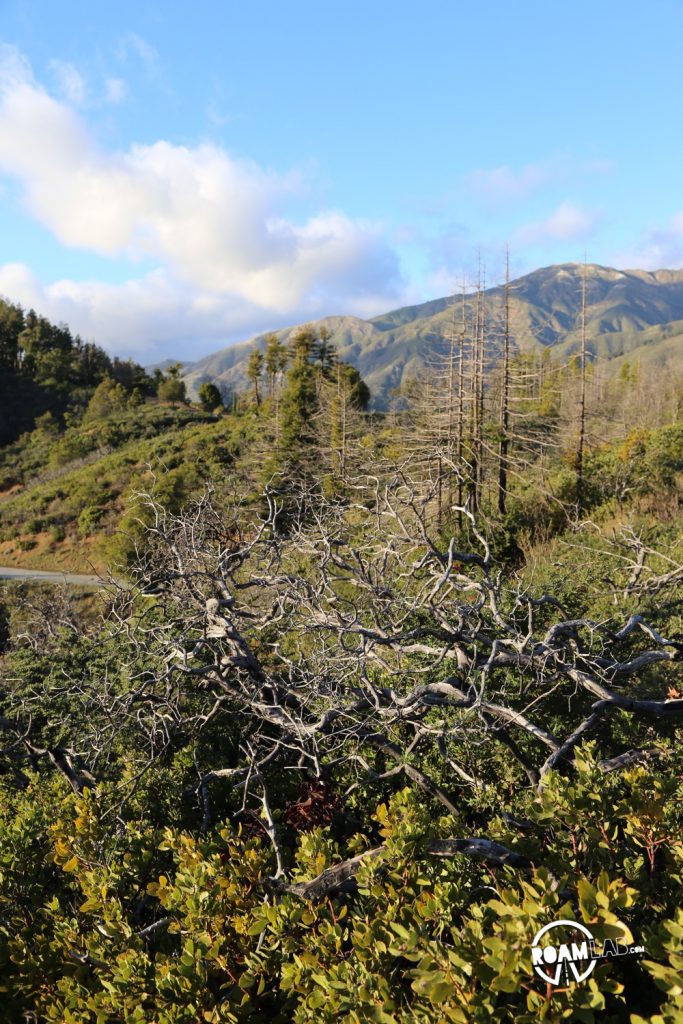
[{"x": 625, "y": 310}]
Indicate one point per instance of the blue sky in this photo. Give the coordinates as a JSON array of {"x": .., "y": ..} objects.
[{"x": 176, "y": 177}]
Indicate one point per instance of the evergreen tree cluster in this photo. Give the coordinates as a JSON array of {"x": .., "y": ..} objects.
[
  {"x": 45, "y": 368},
  {"x": 302, "y": 383}
]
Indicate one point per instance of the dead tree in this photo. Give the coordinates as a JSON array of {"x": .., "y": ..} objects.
[
  {"x": 341, "y": 637},
  {"x": 360, "y": 666},
  {"x": 581, "y": 442},
  {"x": 504, "y": 396}
]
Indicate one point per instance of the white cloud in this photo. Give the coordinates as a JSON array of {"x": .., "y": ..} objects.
[
  {"x": 567, "y": 223},
  {"x": 217, "y": 226},
  {"x": 661, "y": 247},
  {"x": 69, "y": 81},
  {"x": 505, "y": 184},
  {"x": 132, "y": 43},
  {"x": 72, "y": 87},
  {"x": 115, "y": 90},
  {"x": 156, "y": 314},
  {"x": 143, "y": 316},
  {"x": 14, "y": 67}
]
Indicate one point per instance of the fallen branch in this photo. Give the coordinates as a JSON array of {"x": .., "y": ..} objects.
[{"x": 341, "y": 877}]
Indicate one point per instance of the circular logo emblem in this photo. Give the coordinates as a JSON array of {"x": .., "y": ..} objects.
[{"x": 567, "y": 954}]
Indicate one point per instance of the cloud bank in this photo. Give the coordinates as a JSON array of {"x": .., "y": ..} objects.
[
  {"x": 660, "y": 247},
  {"x": 229, "y": 258},
  {"x": 566, "y": 223},
  {"x": 505, "y": 184}
]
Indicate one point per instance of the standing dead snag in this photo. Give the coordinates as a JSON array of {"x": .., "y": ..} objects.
[
  {"x": 581, "y": 442},
  {"x": 505, "y": 396}
]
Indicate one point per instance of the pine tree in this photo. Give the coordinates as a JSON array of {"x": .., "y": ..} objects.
[
  {"x": 343, "y": 397},
  {"x": 325, "y": 351},
  {"x": 171, "y": 387},
  {"x": 276, "y": 359},
  {"x": 209, "y": 396},
  {"x": 254, "y": 371},
  {"x": 299, "y": 399}
]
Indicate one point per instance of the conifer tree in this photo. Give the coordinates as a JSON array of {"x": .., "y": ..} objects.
[
  {"x": 171, "y": 386},
  {"x": 254, "y": 371},
  {"x": 210, "y": 396},
  {"x": 343, "y": 397},
  {"x": 299, "y": 400},
  {"x": 275, "y": 361}
]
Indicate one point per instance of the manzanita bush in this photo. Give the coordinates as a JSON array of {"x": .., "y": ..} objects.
[{"x": 106, "y": 921}]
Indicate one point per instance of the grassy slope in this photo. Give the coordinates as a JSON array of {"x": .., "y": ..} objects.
[
  {"x": 659, "y": 345},
  {"x": 65, "y": 514},
  {"x": 62, "y": 514}
]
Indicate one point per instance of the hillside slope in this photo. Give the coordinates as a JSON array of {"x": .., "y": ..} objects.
[{"x": 62, "y": 497}]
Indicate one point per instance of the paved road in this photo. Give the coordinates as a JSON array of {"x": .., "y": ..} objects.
[{"x": 43, "y": 576}]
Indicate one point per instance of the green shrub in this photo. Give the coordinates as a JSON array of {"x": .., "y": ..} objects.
[
  {"x": 150, "y": 924},
  {"x": 89, "y": 519}
]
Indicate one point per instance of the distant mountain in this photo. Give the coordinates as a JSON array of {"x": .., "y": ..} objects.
[{"x": 634, "y": 314}]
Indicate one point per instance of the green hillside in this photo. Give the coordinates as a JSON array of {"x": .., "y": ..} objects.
[
  {"x": 64, "y": 496},
  {"x": 660, "y": 344},
  {"x": 660, "y": 349}
]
